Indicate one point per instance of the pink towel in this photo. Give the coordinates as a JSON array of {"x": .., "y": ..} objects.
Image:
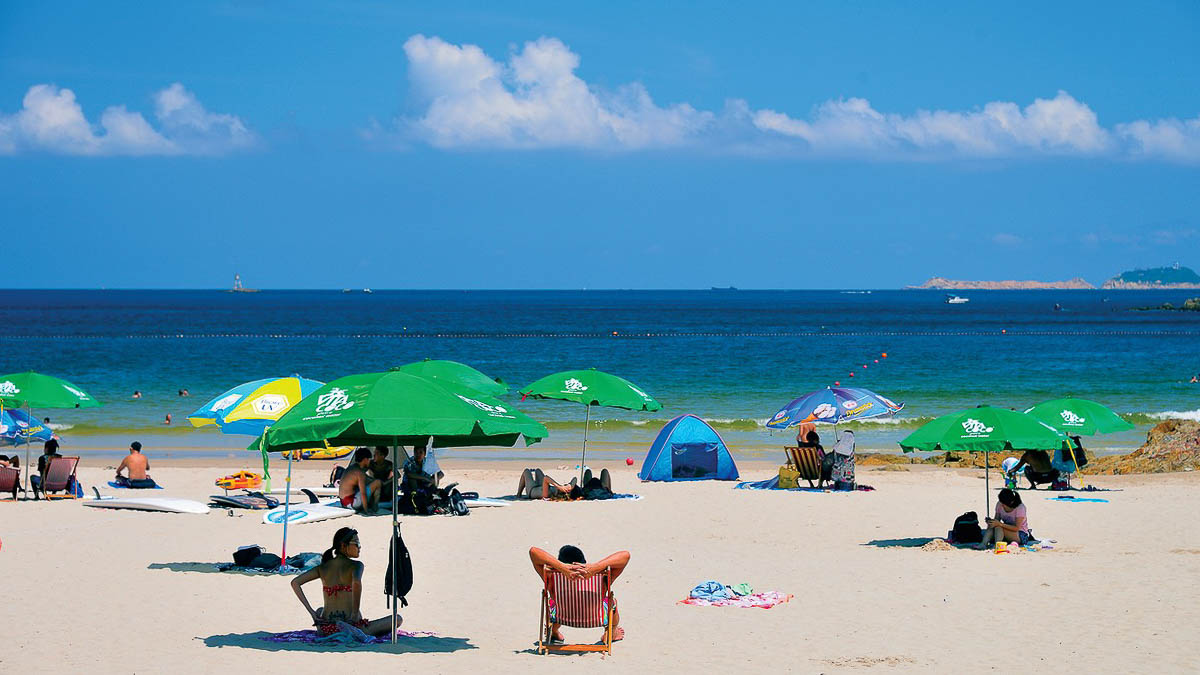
[{"x": 765, "y": 600}]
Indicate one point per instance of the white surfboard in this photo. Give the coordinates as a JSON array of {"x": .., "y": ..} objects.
[
  {"x": 162, "y": 504},
  {"x": 481, "y": 502},
  {"x": 298, "y": 514},
  {"x": 318, "y": 491}
]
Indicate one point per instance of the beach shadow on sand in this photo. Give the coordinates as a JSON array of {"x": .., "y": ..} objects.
[
  {"x": 204, "y": 567},
  {"x": 405, "y": 645},
  {"x": 906, "y": 542}
]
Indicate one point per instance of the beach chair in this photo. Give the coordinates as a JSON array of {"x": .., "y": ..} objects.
[
  {"x": 576, "y": 603},
  {"x": 10, "y": 482},
  {"x": 59, "y": 477},
  {"x": 806, "y": 461}
]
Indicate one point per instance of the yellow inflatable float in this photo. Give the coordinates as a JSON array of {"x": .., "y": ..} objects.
[{"x": 320, "y": 453}]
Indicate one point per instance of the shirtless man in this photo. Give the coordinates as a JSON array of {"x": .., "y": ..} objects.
[
  {"x": 136, "y": 467},
  {"x": 1037, "y": 468},
  {"x": 571, "y": 563},
  {"x": 356, "y": 483}
]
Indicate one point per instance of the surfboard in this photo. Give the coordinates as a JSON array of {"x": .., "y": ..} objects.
[
  {"x": 318, "y": 491},
  {"x": 162, "y": 504},
  {"x": 306, "y": 513},
  {"x": 242, "y": 502},
  {"x": 484, "y": 501}
]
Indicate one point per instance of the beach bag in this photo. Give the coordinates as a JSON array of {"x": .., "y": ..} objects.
[
  {"x": 788, "y": 477},
  {"x": 458, "y": 505},
  {"x": 399, "y": 565},
  {"x": 966, "y": 529},
  {"x": 266, "y": 562},
  {"x": 245, "y": 555}
]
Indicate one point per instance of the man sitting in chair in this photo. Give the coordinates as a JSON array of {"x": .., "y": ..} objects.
[{"x": 571, "y": 563}]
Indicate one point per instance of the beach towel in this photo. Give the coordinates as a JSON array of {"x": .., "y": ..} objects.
[
  {"x": 711, "y": 591},
  {"x": 765, "y": 600},
  {"x": 348, "y": 636},
  {"x": 773, "y": 484},
  {"x": 1076, "y": 499},
  {"x": 295, "y": 565},
  {"x": 124, "y": 486}
]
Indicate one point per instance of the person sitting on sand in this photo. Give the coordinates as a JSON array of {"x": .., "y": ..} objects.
[
  {"x": 1010, "y": 523},
  {"x": 356, "y": 489},
  {"x": 597, "y": 487},
  {"x": 1038, "y": 468},
  {"x": 571, "y": 563},
  {"x": 341, "y": 583},
  {"x": 137, "y": 468},
  {"x": 381, "y": 466},
  {"x": 535, "y": 484}
]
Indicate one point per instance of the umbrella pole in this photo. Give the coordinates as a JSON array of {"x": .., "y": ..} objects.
[
  {"x": 586, "y": 420},
  {"x": 392, "y": 551},
  {"x": 30, "y": 411},
  {"x": 287, "y": 502},
  {"x": 987, "y": 485},
  {"x": 1078, "y": 469}
]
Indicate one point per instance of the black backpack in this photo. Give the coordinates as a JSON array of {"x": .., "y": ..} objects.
[
  {"x": 399, "y": 564},
  {"x": 966, "y": 529}
]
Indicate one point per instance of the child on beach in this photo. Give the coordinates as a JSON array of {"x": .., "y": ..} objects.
[
  {"x": 1011, "y": 522},
  {"x": 341, "y": 582}
]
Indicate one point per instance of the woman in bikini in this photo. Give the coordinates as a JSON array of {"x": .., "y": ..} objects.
[{"x": 341, "y": 583}]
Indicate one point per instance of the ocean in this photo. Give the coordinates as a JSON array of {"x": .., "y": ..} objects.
[{"x": 731, "y": 357}]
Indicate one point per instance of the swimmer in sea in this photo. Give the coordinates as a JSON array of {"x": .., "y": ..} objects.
[{"x": 136, "y": 394}]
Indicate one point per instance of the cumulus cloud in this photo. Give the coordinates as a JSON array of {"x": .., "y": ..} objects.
[
  {"x": 51, "y": 120},
  {"x": 535, "y": 99}
]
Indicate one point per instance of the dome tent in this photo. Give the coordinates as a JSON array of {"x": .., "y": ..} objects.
[{"x": 688, "y": 449}]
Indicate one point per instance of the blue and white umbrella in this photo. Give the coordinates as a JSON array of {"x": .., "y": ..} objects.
[
  {"x": 17, "y": 427},
  {"x": 833, "y": 405}
]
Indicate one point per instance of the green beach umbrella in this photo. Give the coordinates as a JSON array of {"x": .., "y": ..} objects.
[
  {"x": 1079, "y": 416},
  {"x": 984, "y": 429},
  {"x": 457, "y": 374},
  {"x": 591, "y": 387},
  {"x": 34, "y": 390}
]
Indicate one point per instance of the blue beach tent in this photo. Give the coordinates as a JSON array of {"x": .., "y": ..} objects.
[{"x": 688, "y": 449}]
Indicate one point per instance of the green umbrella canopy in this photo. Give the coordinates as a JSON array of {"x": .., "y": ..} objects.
[
  {"x": 456, "y": 374},
  {"x": 1079, "y": 416},
  {"x": 983, "y": 429},
  {"x": 592, "y": 387},
  {"x": 395, "y": 407},
  {"x": 42, "y": 391}
]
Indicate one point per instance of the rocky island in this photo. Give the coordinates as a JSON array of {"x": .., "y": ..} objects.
[
  {"x": 1174, "y": 276},
  {"x": 941, "y": 283}
]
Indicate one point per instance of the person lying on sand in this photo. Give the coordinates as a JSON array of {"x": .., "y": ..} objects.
[
  {"x": 1010, "y": 523},
  {"x": 1038, "y": 468},
  {"x": 535, "y": 484},
  {"x": 136, "y": 467},
  {"x": 341, "y": 583},
  {"x": 356, "y": 489},
  {"x": 570, "y": 562}
]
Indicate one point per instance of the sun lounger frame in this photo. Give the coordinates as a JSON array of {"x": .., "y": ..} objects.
[{"x": 546, "y": 629}]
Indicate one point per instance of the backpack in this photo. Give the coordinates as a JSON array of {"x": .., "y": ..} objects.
[
  {"x": 458, "y": 505},
  {"x": 966, "y": 529},
  {"x": 399, "y": 568},
  {"x": 245, "y": 555}
]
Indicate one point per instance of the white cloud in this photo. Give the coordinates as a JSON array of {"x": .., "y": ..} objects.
[
  {"x": 1007, "y": 239},
  {"x": 536, "y": 100},
  {"x": 51, "y": 120}
]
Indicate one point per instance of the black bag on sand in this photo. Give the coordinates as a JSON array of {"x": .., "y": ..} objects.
[
  {"x": 245, "y": 555},
  {"x": 458, "y": 505},
  {"x": 966, "y": 529},
  {"x": 399, "y": 564}
]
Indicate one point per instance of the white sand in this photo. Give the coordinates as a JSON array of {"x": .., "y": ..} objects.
[{"x": 1118, "y": 594}]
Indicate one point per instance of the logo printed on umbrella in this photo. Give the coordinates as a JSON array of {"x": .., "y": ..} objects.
[
  {"x": 888, "y": 402},
  {"x": 493, "y": 410},
  {"x": 824, "y": 411},
  {"x": 226, "y": 402},
  {"x": 335, "y": 400},
  {"x": 269, "y": 404},
  {"x": 779, "y": 415},
  {"x": 1072, "y": 419},
  {"x": 574, "y": 386},
  {"x": 849, "y": 405},
  {"x": 974, "y": 427},
  {"x": 73, "y": 390},
  {"x": 639, "y": 392},
  {"x": 7, "y": 388}
]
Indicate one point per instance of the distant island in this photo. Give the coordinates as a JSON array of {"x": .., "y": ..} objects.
[
  {"x": 1174, "y": 276},
  {"x": 941, "y": 283}
]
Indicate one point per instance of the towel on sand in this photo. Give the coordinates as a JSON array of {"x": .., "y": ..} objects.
[
  {"x": 347, "y": 635},
  {"x": 765, "y": 600}
]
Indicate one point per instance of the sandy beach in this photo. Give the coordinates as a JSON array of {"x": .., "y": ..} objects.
[{"x": 120, "y": 591}]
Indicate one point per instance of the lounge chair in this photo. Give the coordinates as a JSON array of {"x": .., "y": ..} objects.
[
  {"x": 59, "y": 477},
  {"x": 807, "y": 461},
  {"x": 576, "y": 603},
  {"x": 10, "y": 482}
]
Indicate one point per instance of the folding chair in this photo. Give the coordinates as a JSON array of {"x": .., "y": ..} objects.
[
  {"x": 576, "y": 603},
  {"x": 807, "y": 461},
  {"x": 59, "y": 477}
]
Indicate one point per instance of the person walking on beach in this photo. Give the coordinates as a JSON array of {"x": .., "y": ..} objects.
[
  {"x": 137, "y": 469},
  {"x": 356, "y": 489},
  {"x": 1010, "y": 524},
  {"x": 571, "y": 563},
  {"x": 341, "y": 583}
]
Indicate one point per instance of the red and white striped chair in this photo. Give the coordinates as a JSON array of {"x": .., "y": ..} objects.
[{"x": 577, "y": 603}]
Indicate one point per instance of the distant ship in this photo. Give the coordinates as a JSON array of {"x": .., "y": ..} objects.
[
  {"x": 723, "y": 288},
  {"x": 368, "y": 291},
  {"x": 238, "y": 288},
  {"x": 956, "y": 300}
]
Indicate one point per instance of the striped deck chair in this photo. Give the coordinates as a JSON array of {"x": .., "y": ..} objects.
[
  {"x": 59, "y": 477},
  {"x": 806, "y": 460},
  {"x": 10, "y": 482},
  {"x": 577, "y": 603}
]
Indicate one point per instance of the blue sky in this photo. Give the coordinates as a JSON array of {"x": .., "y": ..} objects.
[{"x": 622, "y": 145}]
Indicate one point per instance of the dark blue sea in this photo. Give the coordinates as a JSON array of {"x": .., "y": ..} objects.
[{"x": 732, "y": 357}]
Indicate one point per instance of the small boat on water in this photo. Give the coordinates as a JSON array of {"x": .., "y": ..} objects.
[
  {"x": 368, "y": 291},
  {"x": 956, "y": 300}
]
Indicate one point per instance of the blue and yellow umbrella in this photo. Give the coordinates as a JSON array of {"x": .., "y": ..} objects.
[{"x": 252, "y": 407}]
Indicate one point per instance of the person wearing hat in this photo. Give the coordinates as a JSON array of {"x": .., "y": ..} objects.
[{"x": 137, "y": 469}]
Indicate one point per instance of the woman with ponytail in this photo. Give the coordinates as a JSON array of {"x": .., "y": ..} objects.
[{"x": 341, "y": 584}]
